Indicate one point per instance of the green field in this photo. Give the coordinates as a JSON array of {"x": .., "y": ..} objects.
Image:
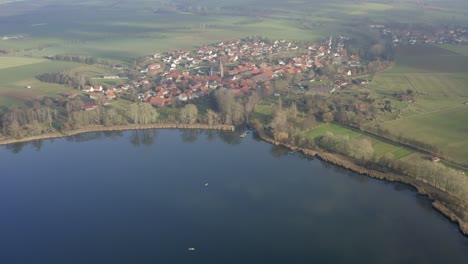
[
  {"x": 9, "y": 62},
  {"x": 21, "y": 72},
  {"x": 460, "y": 49},
  {"x": 123, "y": 30},
  {"x": 14, "y": 80},
  {"x": 263, "y": 112},
  {"x": 438, "y": 116}
]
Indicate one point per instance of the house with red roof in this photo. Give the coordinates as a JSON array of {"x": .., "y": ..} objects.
[{"x": 110, "y": 94}]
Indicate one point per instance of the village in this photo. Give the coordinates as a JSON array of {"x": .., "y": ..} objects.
[
  {"x": 405, "y": 35},
  {"x": 242, "y": 66}
]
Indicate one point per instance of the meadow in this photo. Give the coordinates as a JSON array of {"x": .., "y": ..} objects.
[
  {"x": 438, "y": 115},
  {"x": 19, "y": 73},
  {"x": 9, "y": 62},
  {"x": 124, "y": 30}
]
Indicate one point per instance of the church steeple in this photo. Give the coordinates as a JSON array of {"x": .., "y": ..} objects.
[{"x": 221, "y": 69}]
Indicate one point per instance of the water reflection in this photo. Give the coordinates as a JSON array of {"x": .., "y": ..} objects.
[
  {"x": 16, "y": 147},
  {"x": 278, "y": 151},
  {"x": 137, "y": 138},
  {"x": 259, "y": 197},
  {"x": 232, "y": 138},
  {"x": 189, "y": 135},
  {"x": 143, "y": 137},
  {"x": 95, "y": 136}
]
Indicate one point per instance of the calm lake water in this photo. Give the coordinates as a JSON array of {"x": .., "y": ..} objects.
[{"x": 149, "y": 196}]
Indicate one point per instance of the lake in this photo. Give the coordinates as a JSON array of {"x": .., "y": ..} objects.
[{"x": 170, "y": 196}]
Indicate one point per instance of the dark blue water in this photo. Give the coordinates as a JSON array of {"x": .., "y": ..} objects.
[{"x": 140, "y": 197}]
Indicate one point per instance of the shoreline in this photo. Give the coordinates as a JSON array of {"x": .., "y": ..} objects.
[
  {"x": 116, "y": 128},
  {"x": 451, "y": 207},
  {"x": 448, "y": 205}
]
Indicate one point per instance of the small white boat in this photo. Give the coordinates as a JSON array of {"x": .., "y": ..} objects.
[
  {"x": 206, "y": 184},
  {"x": 191, "y": 249}
]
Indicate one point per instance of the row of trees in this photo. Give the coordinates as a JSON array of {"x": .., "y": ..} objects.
[
  {"x": 357, "y": 148},
  {"x": 436, "y": 174},
  {"x": 74, "y": 80},
  {"x": 65, "y": 114},
  {"x": 234, "y": 110},
  {"x": 80, "y": 59}
]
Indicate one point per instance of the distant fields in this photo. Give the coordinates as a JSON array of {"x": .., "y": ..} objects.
[
  {"x": 438, "y": 116},
  {"x": 14, "y": 80},
  {"x": 9, "y": 62},
  {"x": 22, "y": 73},
  {"x": 123, "y": 30},
  {"x": 460, "y": 49}
]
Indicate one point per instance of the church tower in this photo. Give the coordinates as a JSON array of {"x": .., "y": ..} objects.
[{"x": 221, "y": 69}]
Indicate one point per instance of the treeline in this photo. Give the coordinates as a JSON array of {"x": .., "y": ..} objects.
[
  {"x": 436, "y": 174},
  {"x": 346, "y": 110},
  {"x": 71, "y": 113},
  {"x": 370, "y": 45},
  {"x": 74, "y": 80},
  {"x": 234, "y": 110},
  {"x": 220, "y": 108},
  {"x": 357, "y": 148},
  {"x": 79, "y": 59},
  {"x": 50, "y": 115},
  {"x": 21, "y": 122}
]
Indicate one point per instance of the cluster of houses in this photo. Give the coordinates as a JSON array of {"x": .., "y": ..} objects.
[
  {"x": 97, "y": 91},
  {"x": 411, "y": 36},
  {"x": 241, "y": 66}
]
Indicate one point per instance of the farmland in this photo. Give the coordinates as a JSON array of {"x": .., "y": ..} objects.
[
  {"x": 124, "y": 30},
  {"x": 19, "y": 73},
  {"x": 9, "y": 62},
  {"x": 438, "y": 115}
]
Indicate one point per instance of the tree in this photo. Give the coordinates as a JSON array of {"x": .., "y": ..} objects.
[
  {"x": 189, "y": 114},
  {"x": 293, "y": 110},
  {"x": 309, "y": 123},
  {"x": 327, "y": 117},
  {"x": 279, "y": 123},
  {"x": 212, "y": 118},
  {"x": 141, "y": 113},
  {"x": 362, "y": 149},
  {"x": 281, "y": 136},
  {"x": 231, "y": 110}
]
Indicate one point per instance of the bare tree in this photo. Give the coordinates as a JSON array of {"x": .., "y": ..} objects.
[{"x": 189, "y": 114}]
